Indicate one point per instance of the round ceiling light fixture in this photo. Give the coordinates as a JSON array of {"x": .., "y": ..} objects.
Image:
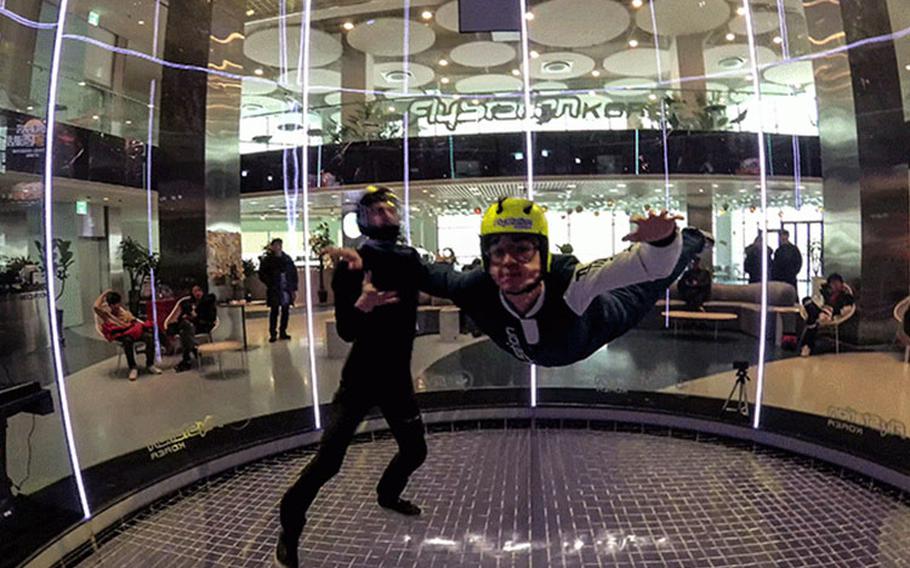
[
  {"x": 731, "y": 62},
  {"x": 557, "y": 67},
  {"x": 397, "y": 76}
]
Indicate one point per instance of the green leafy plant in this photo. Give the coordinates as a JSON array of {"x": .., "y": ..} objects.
[
  {"x": 249, "y": 268},
  {"x": 702, "y": 112},
  {"x": 371, "y": 121},
  {"x": 138, "y": 262},
  {"x": 319, "y": 242},
  {"x": 63, "y": 260},
  {"x": 566, "y": 249}
]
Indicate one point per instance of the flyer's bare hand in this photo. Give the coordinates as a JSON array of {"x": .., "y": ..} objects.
[
  {"x": 371, "y": 298},
  {"x": 653, "y": 227},
  {"x": 348, "y": 255}
]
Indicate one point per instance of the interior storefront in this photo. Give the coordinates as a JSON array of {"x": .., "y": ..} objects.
[{"x": 153, "y": 147}]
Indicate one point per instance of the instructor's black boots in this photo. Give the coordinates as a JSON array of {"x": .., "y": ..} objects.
[
  {"x": 286, "y": 552},
  {"x": 399, "y": 505}
]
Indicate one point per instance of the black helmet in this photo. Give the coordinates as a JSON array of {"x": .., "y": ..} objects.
[{"x": 372, "y": 195}]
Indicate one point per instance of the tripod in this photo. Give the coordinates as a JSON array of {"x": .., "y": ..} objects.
[{"x": 741, "y": 404}]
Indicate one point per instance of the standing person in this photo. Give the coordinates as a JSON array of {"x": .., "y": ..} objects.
[
  {"x": 279, "y": 274},
  {"x": 376, "y": 309},
  {"x": 550, "y": 309},
  {"x": 695, "y": 286},
  {"x": 835, "y": 297},
  {"x": 752, "y": 262},
  {"x": 788, "y": 261},
  {"x": 118, "y": 324},
  {"x": 195, "y": 314}
]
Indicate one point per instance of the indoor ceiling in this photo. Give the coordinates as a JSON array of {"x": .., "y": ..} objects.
[{"x": 560, "y": 194}]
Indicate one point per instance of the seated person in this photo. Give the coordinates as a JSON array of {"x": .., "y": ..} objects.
[
  {"x": 836, "y": 297},
  {"x": 194, "y": 315},
  {"x": 118, "y": 324},
  {"x": 695, "y": 286}
]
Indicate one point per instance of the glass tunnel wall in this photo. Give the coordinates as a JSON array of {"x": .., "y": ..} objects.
[{"x": 188, "y": 136}]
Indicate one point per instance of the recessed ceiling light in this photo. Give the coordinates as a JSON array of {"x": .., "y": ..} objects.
[
  {"x": 595, "y": 73},
  {"x": 443, "y": 62},
  {"x": 444, "y": 80},
  {"x": 778, "y": 40},
  {"x": 633, "y": 43},
  {"x": 741, "y": 11},
  {"x": 516, "y": 72},
  {"x": 250, "y": 12},
  {"x": 730, "y": 36},
  {"x": 81, "y": 83},
  {"x": 29, "y": 107},
  {"x": 348, "y": 26},
  {"x": 637, "y": 3},
  {"x": 426, "y": 15},
  {"x": 258, "y": 72},
  {"x": 96, "y": 117},
  {"x": 128, "y": 122},
  {"x": 141, "y": 22},
  {"x": 529, "y": 16},
  {"x": 534, "y": 54}
]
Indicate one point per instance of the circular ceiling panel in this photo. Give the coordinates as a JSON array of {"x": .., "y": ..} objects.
[
  {"x": 447, "y": 16},
  {"x": 639, "y": 62},
  {"x": 549, "y": 86},
  {"x": 253, "y": 86},
  {"x": 561, "y": 65},
  {"x": 794, "y": 74},
  {"x": 392, "y": 75},
  {"x": 733, "y": 58},
  {"x": 383, "y": 36},
  {"x": 253, "y": 106},
  {"x": 321, "y": 81},
  {"x": 762, "y": 22},
  {"x": 577, "y": 23},
  {"x": 263, "y": 44},
  {"x": 684, "y": 17},
  {"x": 629, "y": 87},
  {"x": 493, "y": 83},
  {"x": 483, "y": 54},
  {"x": 333, "y": 99}
]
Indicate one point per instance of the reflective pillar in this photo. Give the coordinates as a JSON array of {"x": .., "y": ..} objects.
[
  {"x": 198, "y": 168},
  {"x": 864, "y": 161}
]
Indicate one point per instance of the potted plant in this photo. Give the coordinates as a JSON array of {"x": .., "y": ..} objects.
[
  {"x": 62, "y": 260},
  {"x": 319, "y": 242},
  {"x": 139, "y": 263},
  {"x": 249, "y": 272}
]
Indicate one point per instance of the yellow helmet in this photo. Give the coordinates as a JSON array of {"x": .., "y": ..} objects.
[{"x": 515, "y": 216}]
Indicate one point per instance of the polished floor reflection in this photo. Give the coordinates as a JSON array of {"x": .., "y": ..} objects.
[
  {"x": 538, "y": 497},
  {"x": 274, "y": 377}
]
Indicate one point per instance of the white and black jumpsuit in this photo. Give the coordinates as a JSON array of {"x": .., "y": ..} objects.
[{"x": 583, "y": 306}]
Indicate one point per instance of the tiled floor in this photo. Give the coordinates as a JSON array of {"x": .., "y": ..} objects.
[{"x": 543, "y": 497}]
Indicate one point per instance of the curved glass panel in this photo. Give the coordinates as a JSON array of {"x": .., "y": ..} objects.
[{"x": 38, "y": 491}]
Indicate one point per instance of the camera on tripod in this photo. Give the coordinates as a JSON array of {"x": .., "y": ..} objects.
[{"x": 738, "y": 401}]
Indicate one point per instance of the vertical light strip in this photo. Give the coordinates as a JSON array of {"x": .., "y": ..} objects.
[
  {"x": 763, "y": 172},
  {"x": 148, "y": 182},
  {"x": 49, "y": 257},
  {"x": 797, "y": 159},
  {"x": 664, "y": 137},
  {"x": 303, "y": 75},
  {"x": 148, "y": 212},
  {"x": 529, "y": 143},
  {"x": 405, "y": 121}
]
